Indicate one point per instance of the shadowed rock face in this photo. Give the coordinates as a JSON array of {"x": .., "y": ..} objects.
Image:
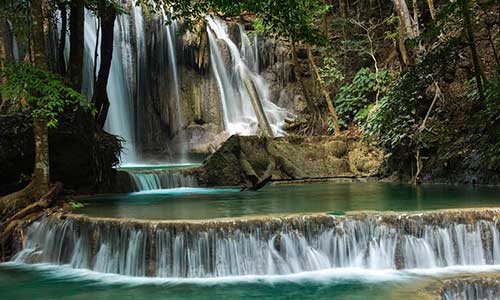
[
  {"x": 288, "y": 158},
  {"x": 266, "y": 245}
]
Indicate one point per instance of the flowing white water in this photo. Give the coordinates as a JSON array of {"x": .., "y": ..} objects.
[
  {"x": 472, "y": 291},
  {"x": 141, "y": 80},
  {"x": 120, "y": 120},
  {"x": 172, "y": 55},
  {"x": 268, "y": 247},
  {"x": 171, "y": 32},
  {"x": 123, "y": 86},
  {"x": 161, "y": 179},
  {"x": 256, "y": 51},
  {"x": 229, "y": 64}
]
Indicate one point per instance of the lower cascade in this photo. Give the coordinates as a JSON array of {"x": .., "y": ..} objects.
[
  {"x": 482, "y": 289},
  {"x": 262, "y": 246},
  {"x": 160, "y": 179}
]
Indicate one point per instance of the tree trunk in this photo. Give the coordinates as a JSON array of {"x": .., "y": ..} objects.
[
  {"x": 257, "y": 106},
  {"x": 432, "y": 9},
  {"x": 2, "y": 59},
  {"x": 420, "y": 129},
  {"x": 38, "y": 20},
  {"x": 472, "y": 45},
  {"x": 343, "y": 15},
  {"x": 3, "y": 43},
  {"x": 6, "y": 41},
  {"x": 298, "y": 75},
  {"x": 62, "y": 40},
  {"x": 3, "y": 50},
  {"x": 76, "y": 38},
  {"x": 416, "y": 27},
  {"x": 405, "y": 31},
  {"x": 96, "y": 51},
  {"x": 325, "y": 92},
  {"x": 402, "y": 53},
  {"x": 100, "y": 97},
  {"x": 41, "y": 174},
  {"x": 404, "y": 17}
]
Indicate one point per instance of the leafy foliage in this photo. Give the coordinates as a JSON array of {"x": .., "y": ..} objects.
[
  {"x": 291, "y": 19},
  {"x": 492, "y": 99},
  {"x": 76, "y": 205},
  {"x": 490, "y": 115},
  {"x": 355, "y": 100},
  {"x": 100, "y": 6},
  {"x": 42, "y": 91},
  {"x": 398, "y": 114},
  {"x": 330, "y": 73}
]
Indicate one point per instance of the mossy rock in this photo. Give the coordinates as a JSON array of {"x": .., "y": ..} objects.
[{"x": 336, "y": 148}]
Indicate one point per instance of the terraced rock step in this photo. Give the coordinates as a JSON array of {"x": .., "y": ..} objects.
[
  {"x": 266, "y": 245},
  {"x": 472, "y": 288}
]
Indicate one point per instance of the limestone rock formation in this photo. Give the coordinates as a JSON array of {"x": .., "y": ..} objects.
[{"x": 242, "y": 158}]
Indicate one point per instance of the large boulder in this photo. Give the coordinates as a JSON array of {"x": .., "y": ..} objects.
[{"x": 242, "y": 160}]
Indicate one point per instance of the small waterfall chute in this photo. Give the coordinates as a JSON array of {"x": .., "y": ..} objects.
[{"x": 161, "y": 179}]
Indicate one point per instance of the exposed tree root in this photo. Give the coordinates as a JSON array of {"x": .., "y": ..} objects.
[
  {"x": 11, "y": 203},
  {"x": 19, "y": 205}
]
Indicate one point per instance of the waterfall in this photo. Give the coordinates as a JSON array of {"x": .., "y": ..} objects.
[
  {"x": 262, "y": 246},
  {"x": 172, "y": 55},
  {"x": 142, "y": 68},
  {"x": 239, "y": 114},
  {"x": 472, "y": 290},
  {"x": 256, "y": 65},
  {"x": 130, "y": 74},
  {"x": 120, "y": 120},
  {"x": 161, "y": 179}
]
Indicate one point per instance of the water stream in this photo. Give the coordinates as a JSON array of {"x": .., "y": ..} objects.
[
  {"x": 160, "y": 180},
  {"x": 120, "y": 120},
  {"x": 265, "y": 246},
  {"x": 229, "y": 65}
]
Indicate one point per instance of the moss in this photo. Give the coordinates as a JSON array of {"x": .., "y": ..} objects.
[{"x": 336, "y": 148}]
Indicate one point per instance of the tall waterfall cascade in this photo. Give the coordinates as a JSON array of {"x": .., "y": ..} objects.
[
  {"x": 128, "y": 79},
  {"x": 120, "y": 120},
  {"x": 261, "y": 246},
  {"x": 231, "y": 73},
  {"x": 140, "y": 42}
]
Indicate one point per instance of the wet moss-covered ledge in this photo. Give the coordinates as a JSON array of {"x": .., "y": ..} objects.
[
  {"x": 206, "y": 239},
  {"x": 432, "y": 217}
]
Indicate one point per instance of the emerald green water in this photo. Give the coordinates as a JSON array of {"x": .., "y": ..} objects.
[
  {"x": 197, "y": 203},
  {"x": 28, "y": 283}
]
